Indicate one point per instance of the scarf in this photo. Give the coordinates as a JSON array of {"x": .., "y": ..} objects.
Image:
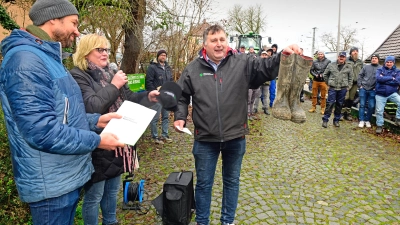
[{"x": 104, "y": 76}]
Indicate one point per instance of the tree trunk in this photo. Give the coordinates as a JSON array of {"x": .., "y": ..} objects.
[{"x": 134, "y": 37}]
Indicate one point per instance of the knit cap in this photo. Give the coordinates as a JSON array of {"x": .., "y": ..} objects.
[
  {"x": 45, "y": 10},
  {"x": 390, "y": 58},
  {"x": 353, "y": 49},
  {"x": 161, "y": 52}
]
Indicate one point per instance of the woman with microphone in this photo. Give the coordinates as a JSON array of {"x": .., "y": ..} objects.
[{"x": 103, "y": 89}]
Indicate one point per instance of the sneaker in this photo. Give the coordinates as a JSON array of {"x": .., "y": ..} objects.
[
  {"x": 378, "y": 130},
  {"x": 368, "y": 124},
  {"x": 266, "y": 111},
  {"x": 166, "y": 139},
  {"x": 361, "y": 124},
  {"x": 158, "y": 141},
  {"x": 336, "y": 123},
  {"x": 325, "y": 124}
]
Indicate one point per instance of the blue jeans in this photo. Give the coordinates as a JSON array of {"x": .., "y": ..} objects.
[
  {"x": 58, "y": 210},
  {"x": 104, "y": 193},
  {"x": 272, "y": 92},
  {"x": 206, "y": 157},
  {"x": 380, "y": 107},
  {"x": 335, "y": 98},
  {"x": 164, "y": 124},
  {"x": 364, "y": 96}
]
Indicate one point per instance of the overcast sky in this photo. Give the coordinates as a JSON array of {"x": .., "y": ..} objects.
[{"x": 291, "y": 21}]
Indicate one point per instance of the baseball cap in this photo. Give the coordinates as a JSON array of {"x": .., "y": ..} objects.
[
  {"x": 264, "y": 52},
  {"x": 343, "y": 54},
  {"x": 170, "y": 93}
]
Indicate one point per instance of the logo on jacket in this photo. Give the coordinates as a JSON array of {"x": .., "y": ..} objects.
[{"x": 206, "y": 74}]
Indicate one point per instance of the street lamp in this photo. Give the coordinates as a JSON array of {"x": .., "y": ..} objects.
[{"x": 338, "y": 33}]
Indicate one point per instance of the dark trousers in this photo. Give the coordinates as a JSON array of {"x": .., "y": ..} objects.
[{"x": 335, "y": 98}]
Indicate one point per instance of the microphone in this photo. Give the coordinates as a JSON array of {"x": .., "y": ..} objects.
[{"x": 113, "y": 67}]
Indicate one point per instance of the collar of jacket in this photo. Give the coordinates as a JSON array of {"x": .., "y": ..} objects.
[
  {"x": 203, "y": 53},
  {"x": 38, "y": 32}
]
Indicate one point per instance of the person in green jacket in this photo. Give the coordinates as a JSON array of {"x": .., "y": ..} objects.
[
  {"x": 356, "y": 65},
  {"x": 339, "y": 78}
]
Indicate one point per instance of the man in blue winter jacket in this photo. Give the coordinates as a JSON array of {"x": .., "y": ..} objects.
[
  {"x": 51, "y": 136},
  {"x": 387, "y": 86}
]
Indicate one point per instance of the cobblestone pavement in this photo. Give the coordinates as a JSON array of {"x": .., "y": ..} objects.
[{"x": 294, "y": 174}]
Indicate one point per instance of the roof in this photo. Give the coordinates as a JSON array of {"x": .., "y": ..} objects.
[{"x": 391, "y": 46}]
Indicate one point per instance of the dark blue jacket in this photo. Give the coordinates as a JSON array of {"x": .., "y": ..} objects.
[
  {"x": 48, "y": 128},
  {"x": 157, "y": 75},
  {"x": 387, "y": 81}
]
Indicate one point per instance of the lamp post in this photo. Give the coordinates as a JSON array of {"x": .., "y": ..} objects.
[
  {"x": 313, "y": 42},
  {"x": 338, "y": 33}
]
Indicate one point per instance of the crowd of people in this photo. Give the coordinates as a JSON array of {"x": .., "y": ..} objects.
[
  {"x": 54, "y": 116},
  {"x": 375, "y": 83}
]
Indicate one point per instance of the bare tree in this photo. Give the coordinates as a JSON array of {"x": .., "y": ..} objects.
[
  {"x": 244, "y": 20},
  {"x": 177, "y": 27},
  {"x": 347, "y": 38}
]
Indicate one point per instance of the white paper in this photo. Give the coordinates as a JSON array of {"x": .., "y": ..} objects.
[
  {"x": 185, "y": 130},
  {"x": 135, "y": 119}
]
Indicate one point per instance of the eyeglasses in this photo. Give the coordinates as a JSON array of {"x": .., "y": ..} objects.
[{"x": 101, "y": 50}]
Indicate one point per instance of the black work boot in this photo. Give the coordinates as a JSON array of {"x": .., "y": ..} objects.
[
  {"x": 347, "y": 117},
  {"x": 336, "y": 123},
  {"x": 397, "y": 122},
  {"x": 324, "y": 124}
]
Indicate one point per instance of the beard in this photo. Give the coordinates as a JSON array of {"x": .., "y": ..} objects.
[
  {"x": 354, "y": 57},
  {"x": 63, "y": 37}
]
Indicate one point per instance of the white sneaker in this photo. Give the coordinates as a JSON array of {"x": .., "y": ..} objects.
[
  {"x": 361, "y": 124},
  {"x": 368, "y": 124}
]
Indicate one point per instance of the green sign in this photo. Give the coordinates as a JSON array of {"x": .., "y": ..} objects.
[{"x": 136, "y": 82}]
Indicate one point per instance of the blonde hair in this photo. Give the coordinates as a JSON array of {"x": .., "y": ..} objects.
[{"x": 87, "y": 44}]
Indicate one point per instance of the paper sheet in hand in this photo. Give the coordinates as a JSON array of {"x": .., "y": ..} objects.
[{"x": 135, "y": 119}]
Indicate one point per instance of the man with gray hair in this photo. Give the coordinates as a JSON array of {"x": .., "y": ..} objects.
[{"x": 51, "y": 136}]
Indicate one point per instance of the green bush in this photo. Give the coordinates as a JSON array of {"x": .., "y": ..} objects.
[{"x": 12, "y": 210}]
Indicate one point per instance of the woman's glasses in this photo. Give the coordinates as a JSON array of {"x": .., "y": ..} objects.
[{"x": 101, "y": 50}]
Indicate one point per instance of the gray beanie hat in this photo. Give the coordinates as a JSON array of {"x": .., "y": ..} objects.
[{"x": 45, "y": 10}]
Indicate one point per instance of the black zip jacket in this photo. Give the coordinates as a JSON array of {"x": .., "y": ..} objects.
[
  {"x": 157, "y": 75},
  {"x": 318, "y": 67},
  {"x": 219, "y": 97},
  {"x": 98, "y": 99}
]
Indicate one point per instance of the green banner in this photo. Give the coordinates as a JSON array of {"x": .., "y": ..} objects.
[{"x": 136, "y": 82}]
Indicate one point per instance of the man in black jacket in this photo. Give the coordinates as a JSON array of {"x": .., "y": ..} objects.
[
  {"x": 317, "y": 71},
  {"x": 218, "y": 82},
  {"x": 157, "y": 74}
]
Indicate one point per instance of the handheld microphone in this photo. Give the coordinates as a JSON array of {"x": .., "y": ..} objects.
[{"x": 113, "y": 67}]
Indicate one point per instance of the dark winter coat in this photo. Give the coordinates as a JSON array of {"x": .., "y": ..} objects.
[
  {"x": 99, "y": 99},
  {"x": 387, "y": 81},
  {"x": 219, "y": 97},
  {"x": 157, "y": 75},
  {"x": 338, "y": 79},
  {"x": 318, "y": 67}
]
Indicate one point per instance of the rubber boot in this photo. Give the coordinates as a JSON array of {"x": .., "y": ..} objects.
[
  {"x": 300, "y": 71},
  {"x": 281, "y": 108}
]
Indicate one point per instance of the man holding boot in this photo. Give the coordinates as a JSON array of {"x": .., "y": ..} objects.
[
  {"x": 339, "y": 77},
  {"x": 356, "y": 65},
  {"x": 317, "y": 71}
]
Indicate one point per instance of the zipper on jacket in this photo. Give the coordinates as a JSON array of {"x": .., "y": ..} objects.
[
  {"x": 66, "y": 109},
  {"x": 218, "y": 112}
]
